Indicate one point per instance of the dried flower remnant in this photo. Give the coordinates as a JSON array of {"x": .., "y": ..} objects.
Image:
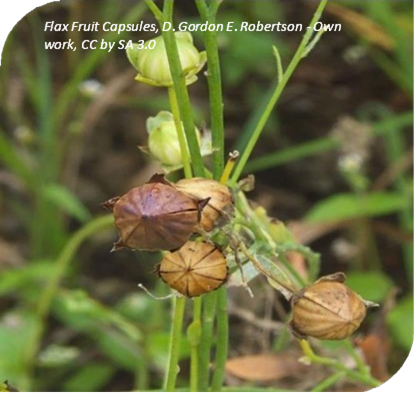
[
  {"x": 354, "y": 139},
  {"x": 220, "y": 206},
  {"x": 327, "y": 310},
  {"x": 197, "y": 268},
  {"x": 155, "y": 216}
]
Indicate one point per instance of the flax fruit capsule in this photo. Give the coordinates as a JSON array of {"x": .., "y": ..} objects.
[
  {"x": 195, "y": 269},
  {"x": 155, "y": 216},
  {"x": 327, "y": 310},
  {"x": 220, "y": 205}
]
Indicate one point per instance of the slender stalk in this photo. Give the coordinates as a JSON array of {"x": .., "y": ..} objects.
[
  {"x": 175, "y": 341},
  {"x": 194, "y": 335},
  {"x": 185, "y": 114},
  {"x": 194, "y": 368},
  {"x": 328, "y": 382},
  {"x": 215, "y": 87},
  {"x": 355, "y": 375},
  {"x": 209, "y": 310},
  {"x": 222, "y": 340},
  {"x": 363, "y": 368},
  {"x": 299, "y": 54},
  {"x": 180, "y": 133},
  {"x": 179, "y": 83},
  {"x": 222, "y": 345}
]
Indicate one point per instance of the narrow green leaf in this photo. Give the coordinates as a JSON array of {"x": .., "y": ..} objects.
[
  {"x": 61, "y": 197},
  {"x": 12, "y": 159},
  {"x": 91, "y": 378},
  {"x": 31, "y": 275},
  {"x": 279, "y": 63},
  {"x": 119, "y": 348},
  {"x": 350, "y": 206}
]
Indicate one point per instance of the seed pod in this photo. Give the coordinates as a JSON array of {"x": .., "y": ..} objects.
[
  {"x": 155, "y": 216},
  {"x": 163, "y": 141},
  {"x": 220, "y": 206},
  {"x": 327, "y": 310},
  {"x": 152, "y": 64},
  {"x": 195, "y": 269}
]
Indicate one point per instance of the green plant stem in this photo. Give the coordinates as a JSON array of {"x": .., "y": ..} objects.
[
  {"x": 299, "y": 54},
  {"x": 180, "y": 133},
  {"x": 222, "y": 344},
  {"x": 358, "y": 360},
  {"x": 194, "y": 368},
  {"x": 61, "y": 267},
  {"x": 175, "y": 342},
  {"x": 142, "y": 374},
  {"x": 179, "y": 83},
  {"x": 328, "y": 382},
  {"x": 209, "y": 309},
  {"x": 194, "y": 344},
  {"x": 355, "y": 375},
  {"x": 215, "y": 87},
  {"x": 208, "y": 14}
]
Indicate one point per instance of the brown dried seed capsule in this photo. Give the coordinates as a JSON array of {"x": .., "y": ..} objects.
[
  {"x": 155, "y": 216},
  {"x": 195, "y": 269},
  {"x": 327, "y": 310},
  {"x": 220, "y": 206}
]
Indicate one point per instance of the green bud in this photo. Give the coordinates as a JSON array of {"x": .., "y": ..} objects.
[
  {"x": 163, "y": 142},
  {"x": 153, "y": 66}
]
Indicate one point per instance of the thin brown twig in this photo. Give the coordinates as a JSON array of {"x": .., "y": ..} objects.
[
  {"x": 390, "y": 175},
  {"x": 250, "y": 317}
]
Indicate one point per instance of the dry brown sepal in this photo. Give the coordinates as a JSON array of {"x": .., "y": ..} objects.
[
  {"x": 155, "y": 216},
  {"x": 195, "y": 269},
  {"x": 327, "y": 309},
  {"x": 220, "y": 206}
]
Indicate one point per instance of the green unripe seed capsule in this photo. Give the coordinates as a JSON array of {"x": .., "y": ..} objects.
[
  {"x": 163, "y": 141},
  {"x": 153, "y": 65}
]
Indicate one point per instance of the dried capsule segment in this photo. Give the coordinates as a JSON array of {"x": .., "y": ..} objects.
[
  {"x": 155, "y": 216},
  {"x": 220, "y": 206},
  {"x": 195, "y": 269},
  {"x": 327, "y": 310}
]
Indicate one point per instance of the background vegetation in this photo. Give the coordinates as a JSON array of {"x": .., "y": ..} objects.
[{"x": 334, "y": 164}]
